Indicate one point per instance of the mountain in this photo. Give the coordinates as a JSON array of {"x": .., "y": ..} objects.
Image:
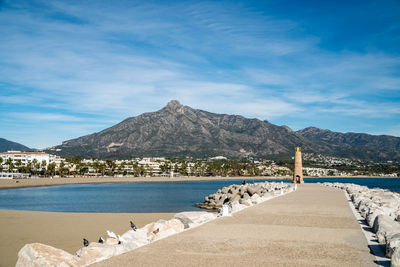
[
  {"x": 355, "y": 145},
  {"x": 178, "y": 130},
  {"x": 6, "y": 145}
]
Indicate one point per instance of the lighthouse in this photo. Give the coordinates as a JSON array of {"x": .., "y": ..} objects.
[{"x": 298, "y": 167}]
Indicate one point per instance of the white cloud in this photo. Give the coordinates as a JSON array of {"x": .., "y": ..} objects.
[{"x": 43, "y": 116}]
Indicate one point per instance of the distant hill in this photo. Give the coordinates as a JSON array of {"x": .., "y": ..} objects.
[
  {"x": 355, "y": 145},
  {"x": 6, "y": 145},
  {"x": 178, "y": 130}
]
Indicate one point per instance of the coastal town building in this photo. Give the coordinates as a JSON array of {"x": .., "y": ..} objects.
[
  {"x": 23, "y": 158},
  {"x": 319, "y": 172}
]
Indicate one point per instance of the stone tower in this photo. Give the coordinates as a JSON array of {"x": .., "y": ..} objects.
[{"x": 298, "y": 167}]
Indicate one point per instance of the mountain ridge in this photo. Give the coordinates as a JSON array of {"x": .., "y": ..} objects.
[
  {"x": 7, "y": 145},
  {"x": 178, "y": 130}
]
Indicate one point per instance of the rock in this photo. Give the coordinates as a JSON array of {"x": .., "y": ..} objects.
[
  {"x": 245, "y": 196},
  {"x": 197, "y": 217},
  {"x": 246, "y": 202},
  {"x": 233, "y": 191},
  {"x": 251, "y": 190},
  {"x": 235, "y": 198},
  {"x": 395, "y": 262},
  {"x": 36, "y": 254},
  {"x": 133, "y": 239},
  {"x": 162, "y": 229},
  {"x": 255, "y": 199},
  {"x": 236, "y": 206},
  {"x": 392, "y": 244},
  {"x": 184, "y": 219},
  {"x": 96, "y": 252},
  {"x": 371, "y": 216},
  {"x": 112, "y": 241},
  {"x": 385, "y": 226}
]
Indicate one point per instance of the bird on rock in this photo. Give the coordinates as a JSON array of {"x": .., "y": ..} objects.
[
  {"x": 111, "y": 234},
  {"x": 133, "y": 226},
  {"x": 101, "y": 240},
  {"x": 85, "y": 242}
]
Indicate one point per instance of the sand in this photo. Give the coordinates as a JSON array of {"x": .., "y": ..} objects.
[
  {"x": 66, "y": 230},
  {"x": 15, "y": 183},
  {"x": 61, "y": 230},
  {"x": 313, "y": 226}
]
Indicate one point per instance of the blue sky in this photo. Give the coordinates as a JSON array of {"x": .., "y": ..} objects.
[{"x": 71, "y": 68}]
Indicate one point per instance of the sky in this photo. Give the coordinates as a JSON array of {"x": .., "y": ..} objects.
[{"x": 72, "y": 68}]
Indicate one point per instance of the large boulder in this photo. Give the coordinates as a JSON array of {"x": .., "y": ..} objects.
[
  {"x": 162, "y": 229},
  {"x": 371, "y": 216},
  {"x": 133, "y": 239},
  {"x": 195, "y": 218},
  {"x": 395, "y": 262},
  {"x": 255, "y": 199},
  {"x": 384, "y": 226},
  {"x": 251, "y": 190},
  {"x": 393, "y": 243},
  {"x": 96, "y": 252},
  {"x": 36, "y": 254}
]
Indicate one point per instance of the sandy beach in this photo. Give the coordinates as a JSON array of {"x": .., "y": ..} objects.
[{"x": 61, "y": 230}]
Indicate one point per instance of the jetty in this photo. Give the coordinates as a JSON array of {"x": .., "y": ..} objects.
[{"x": 313, "y": 226}]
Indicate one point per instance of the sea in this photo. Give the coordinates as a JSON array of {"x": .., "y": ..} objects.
[{"x": 145, "y": 197}]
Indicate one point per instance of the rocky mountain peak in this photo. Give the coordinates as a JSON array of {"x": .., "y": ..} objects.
[
  {"x": 178, "y": 130},
  {"x": 174, "y": 104}
]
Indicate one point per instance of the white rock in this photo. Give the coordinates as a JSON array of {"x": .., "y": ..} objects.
[
  {"x": 36, "y": 254},
  {"x": 392, "y": 244},
  {"x": 162, "y": 229},
  {"x": 395, "y": 262},
  {"x": 385, "y": 226},
  {"x": 138, "y": 237},
  {"x": 95, "y": 252},
  {"x": 197, "y": 217},
  {"x": 255, "y": 199}
]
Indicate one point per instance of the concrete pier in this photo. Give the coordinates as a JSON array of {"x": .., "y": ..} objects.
[{"x": 313, "y": 226}]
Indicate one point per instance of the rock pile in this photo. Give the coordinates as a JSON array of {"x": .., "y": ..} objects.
[
  {"x": 381, "y": 209},
  {"x": 37, "y": 254},
  {"x": 238, "y": 198},
  {"x": 247, "y": 195}
]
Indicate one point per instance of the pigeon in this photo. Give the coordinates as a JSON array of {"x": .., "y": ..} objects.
[
  {"x": 111, "y": 234},
  {"x": 85, "y": 242},
  {"x": 120, "y": 240},
  {"x": 101, "y": 240},
  {"x": 156, "y": 231},
  {"x": 133, "y": 226}
]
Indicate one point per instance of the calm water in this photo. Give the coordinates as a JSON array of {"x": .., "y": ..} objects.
[{"x": 138, "y": 197}]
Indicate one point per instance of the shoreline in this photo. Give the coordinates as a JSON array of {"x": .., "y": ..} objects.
[{"x": 38, "y": 182}]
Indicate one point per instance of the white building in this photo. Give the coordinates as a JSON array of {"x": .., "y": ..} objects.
[{"x": 26, "y": 157}]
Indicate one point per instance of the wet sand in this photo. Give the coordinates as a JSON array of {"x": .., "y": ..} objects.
[
  {"x": 15, "y": 183},
  {"x": 62, "y": 230},
  {"x": 313, "y": 226}
]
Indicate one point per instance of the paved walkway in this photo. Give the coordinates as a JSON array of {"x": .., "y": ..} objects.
[{"x": 313, "y": 226}]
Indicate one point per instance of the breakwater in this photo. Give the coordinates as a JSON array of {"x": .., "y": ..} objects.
[
  {"x": 246, "y": 194},
  {"x": 44, "y": 255},
  {"x": 381, "y": 210}
]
